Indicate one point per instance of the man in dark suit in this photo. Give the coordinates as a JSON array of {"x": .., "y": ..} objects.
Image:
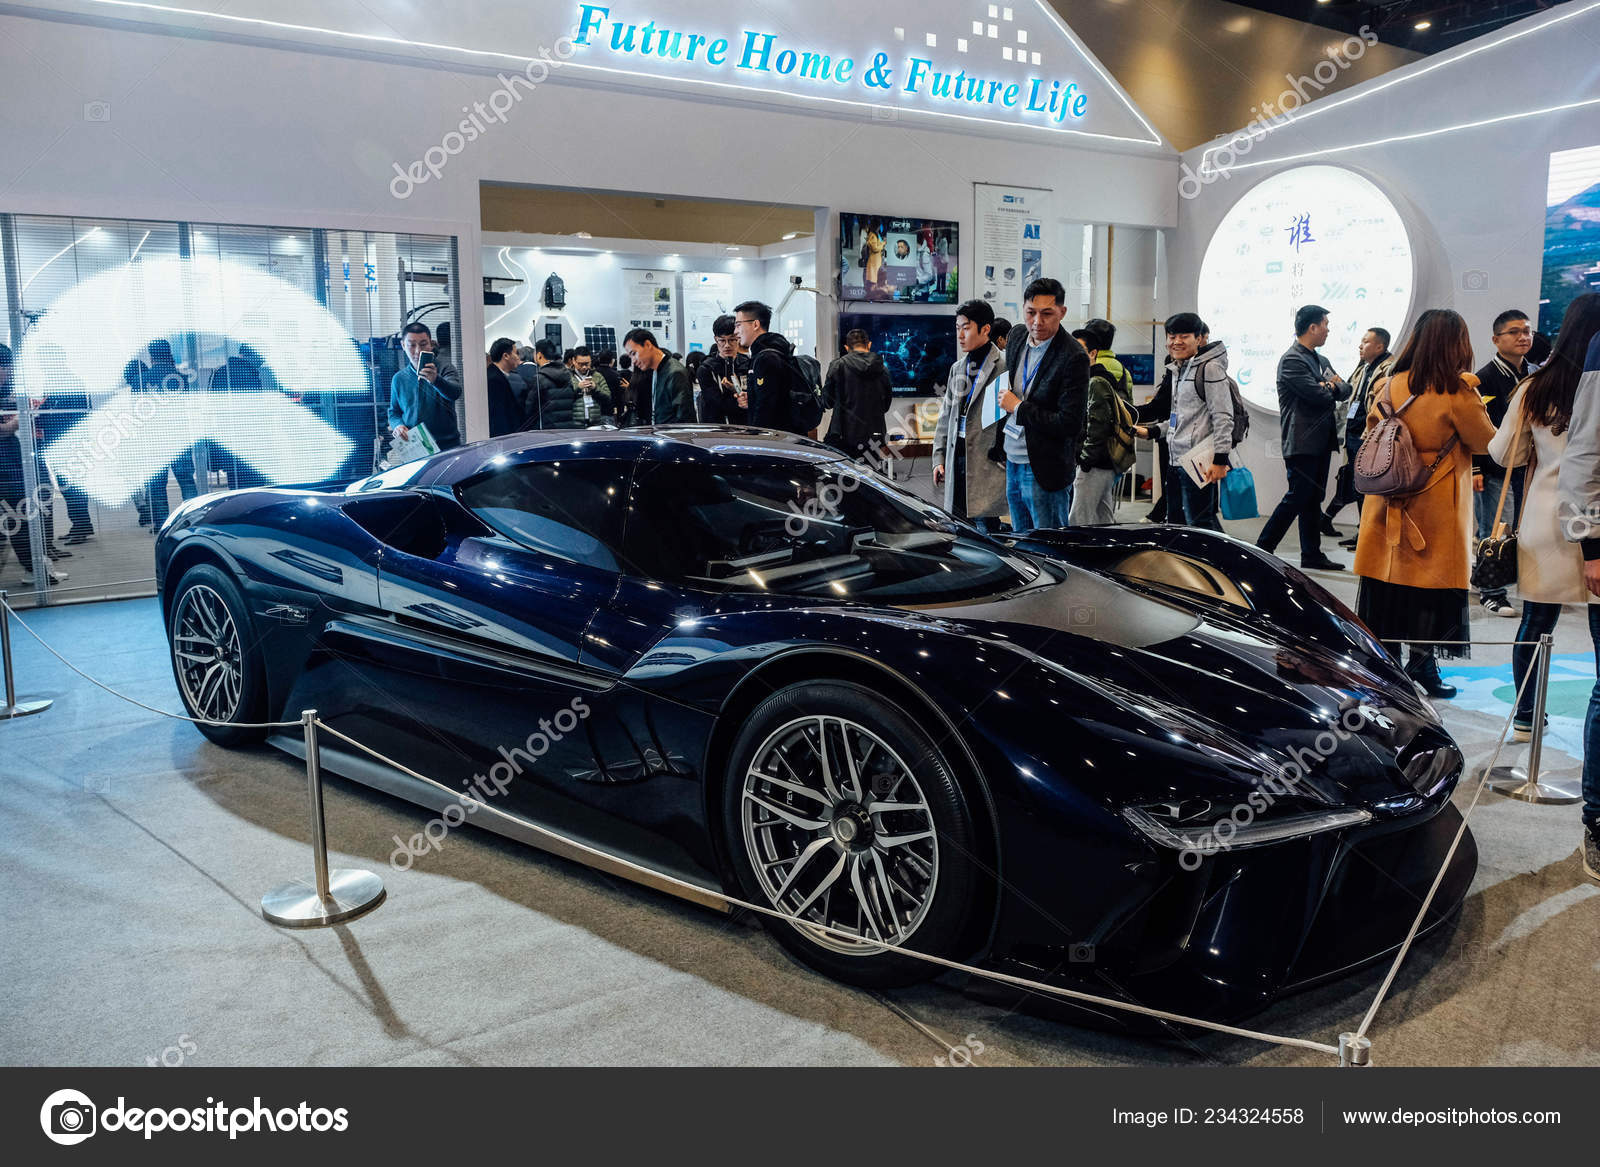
[
  {"x": 1307, "y": 390},
  {"x": 1047, "y": 398},
  {"x": 505, "y": 407}
]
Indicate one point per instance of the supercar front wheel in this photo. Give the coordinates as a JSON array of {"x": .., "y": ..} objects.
[
  {"x": 215, "y": 659},
  {"x": 842, "y": 813}
]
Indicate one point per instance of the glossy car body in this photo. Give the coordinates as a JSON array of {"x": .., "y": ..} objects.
[{"x": 1147, "y": 673}]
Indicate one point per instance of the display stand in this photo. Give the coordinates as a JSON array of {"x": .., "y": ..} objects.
[
  {"x": 13, "y": 707},
  {"x": 333, "y": 896},
  {"x": 1527, "y": 783}
]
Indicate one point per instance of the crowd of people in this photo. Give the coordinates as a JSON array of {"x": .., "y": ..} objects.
[{"x": 751, "y": 378}]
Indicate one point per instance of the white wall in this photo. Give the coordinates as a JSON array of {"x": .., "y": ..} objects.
[
  {"x": 211, "y": 129},
  {"x": 1477, "y": 194}
]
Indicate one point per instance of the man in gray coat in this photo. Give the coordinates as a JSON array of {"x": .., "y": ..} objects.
[
  {"x": 1578, "y": 506},
  {"x": 973, "y": 481}
]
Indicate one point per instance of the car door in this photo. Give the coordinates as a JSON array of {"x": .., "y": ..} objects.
[{"x": 474, "y": 676}]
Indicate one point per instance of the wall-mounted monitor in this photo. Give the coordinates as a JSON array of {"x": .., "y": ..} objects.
[
  {"x": 1141, "y": 367},
  {"x": 1571, "y": 234},
  {"x": 885, "y": 259},
  {"x": 918, "y": 350}
]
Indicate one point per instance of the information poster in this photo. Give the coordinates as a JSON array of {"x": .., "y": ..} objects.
[
  {"x": 1013, "y": 233},
  {"x": 706, "y": 295},
  {"x": 648, "y": 295}
]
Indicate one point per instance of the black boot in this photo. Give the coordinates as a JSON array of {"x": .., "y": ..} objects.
[
  {"x": 1424, "y": 670},
  {"x": 1328, "y": 528}
]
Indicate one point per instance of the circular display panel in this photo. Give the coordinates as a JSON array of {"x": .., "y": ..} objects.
[{"x": 1311, "y": 235}]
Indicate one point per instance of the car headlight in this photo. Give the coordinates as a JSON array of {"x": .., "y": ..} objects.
[{"x": 1208, "y": 825}]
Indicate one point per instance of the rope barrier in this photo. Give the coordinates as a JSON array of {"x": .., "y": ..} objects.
[
  {"x": 12, "y": 613},
  {"x": 763, "y": 910},
  {"x": 1427, "y": 900}
]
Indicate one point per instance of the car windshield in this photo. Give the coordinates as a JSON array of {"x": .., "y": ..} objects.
[{"x": 830, "y": 529}]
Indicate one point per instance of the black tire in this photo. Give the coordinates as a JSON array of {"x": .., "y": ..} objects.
[
  {"x": 207, "y": 586},
  {"x": 850, "y": 714}
]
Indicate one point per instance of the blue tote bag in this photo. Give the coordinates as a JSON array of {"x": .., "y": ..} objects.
[{"x": 1239, "y": 494}]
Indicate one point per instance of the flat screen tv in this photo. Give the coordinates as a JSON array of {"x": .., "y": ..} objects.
[
  {"x": 909, "y": 261},
  {"x": 918, "y": 350},
  {"x": 1571, "y": 234},
  {"x": 1141, "y": 367}
]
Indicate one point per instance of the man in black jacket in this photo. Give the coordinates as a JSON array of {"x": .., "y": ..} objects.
[
  {"x": 505, "y": 411},
  {"x": 548, "y": 404},
  {"x": 1307, "y": 390},
  {"x": 772, "y": 366},
  {"x": 671, "y": 392},
  {"x": 1047, "y": 399},
  {"x": 859, "y": 392},
  {"x": 1497, "y": 381},
  {"x": 724, "y": 376}
]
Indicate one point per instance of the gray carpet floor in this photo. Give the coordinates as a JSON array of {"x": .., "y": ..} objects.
[{"x": 135, "y": 854}]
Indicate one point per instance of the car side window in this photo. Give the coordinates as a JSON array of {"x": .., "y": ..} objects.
[{"x": 571, "y": 509}]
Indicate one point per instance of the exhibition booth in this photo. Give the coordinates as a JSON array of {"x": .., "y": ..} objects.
[{"x": 207, "y": 351}]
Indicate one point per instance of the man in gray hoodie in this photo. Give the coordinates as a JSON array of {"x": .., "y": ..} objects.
[{"x": 1202, "y": 409}]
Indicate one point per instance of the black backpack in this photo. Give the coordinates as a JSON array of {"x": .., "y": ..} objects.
[
  {"x": 805, "y": 397},
  {"x": 555, "y": 292}
]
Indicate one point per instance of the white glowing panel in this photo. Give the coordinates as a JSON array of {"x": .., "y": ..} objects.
[
  {"x": 88, "y": 335},
  {"x": 1312, "y": 235}
]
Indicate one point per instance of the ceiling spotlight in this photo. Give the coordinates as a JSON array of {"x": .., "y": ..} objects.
[
  {"x": 791, "y": 235},
  {"x": 585, "y": 235},
  {"x": 1423, "y": 25}
]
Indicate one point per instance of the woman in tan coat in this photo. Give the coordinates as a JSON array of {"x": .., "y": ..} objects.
[
  {"x": 1411, "y": 553},
  {"x": 1549, "y": 569}
]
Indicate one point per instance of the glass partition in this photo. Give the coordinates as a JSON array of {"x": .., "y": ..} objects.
[{"x": 151, "y": 362}]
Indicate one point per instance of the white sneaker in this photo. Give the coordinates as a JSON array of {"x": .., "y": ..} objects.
[{"x": 52, "y": 575}]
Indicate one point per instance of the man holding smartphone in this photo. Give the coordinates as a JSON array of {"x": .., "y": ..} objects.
[
  {"x": 724, "y": 376},
  {"x": 424, "y": 392}
]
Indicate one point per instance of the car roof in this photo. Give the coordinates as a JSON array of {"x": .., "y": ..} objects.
[{"x": 673, "y": 443}]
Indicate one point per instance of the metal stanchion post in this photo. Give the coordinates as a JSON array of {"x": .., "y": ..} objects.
[
  {"x": 333, "y": 896},
  {"x": 13, "y": 707},
  {"x": 1355, "y": 1051},
  {"x": 1527, "y": 783}
]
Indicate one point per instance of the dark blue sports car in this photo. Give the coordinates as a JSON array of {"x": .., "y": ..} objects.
[{"x": 1150, "y": 761}]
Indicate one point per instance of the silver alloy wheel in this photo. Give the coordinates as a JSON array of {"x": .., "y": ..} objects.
[
  {"x": 839, "y": 833},
  {"x": 208, "y": 653}
]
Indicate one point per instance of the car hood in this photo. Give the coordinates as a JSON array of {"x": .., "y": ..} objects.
[{"x": 1228, "y": 682}]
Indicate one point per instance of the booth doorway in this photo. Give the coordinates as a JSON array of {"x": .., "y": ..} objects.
[{"x": 582, "y": 268}]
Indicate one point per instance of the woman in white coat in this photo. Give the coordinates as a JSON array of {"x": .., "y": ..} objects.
[{"x": 1549, "y": 568}]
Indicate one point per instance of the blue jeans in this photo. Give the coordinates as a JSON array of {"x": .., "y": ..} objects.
[
  {"x": 1199, "y": 502},
  {"x": 1019, "y": 495},
  {"x": 1032, "y": 507}
]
